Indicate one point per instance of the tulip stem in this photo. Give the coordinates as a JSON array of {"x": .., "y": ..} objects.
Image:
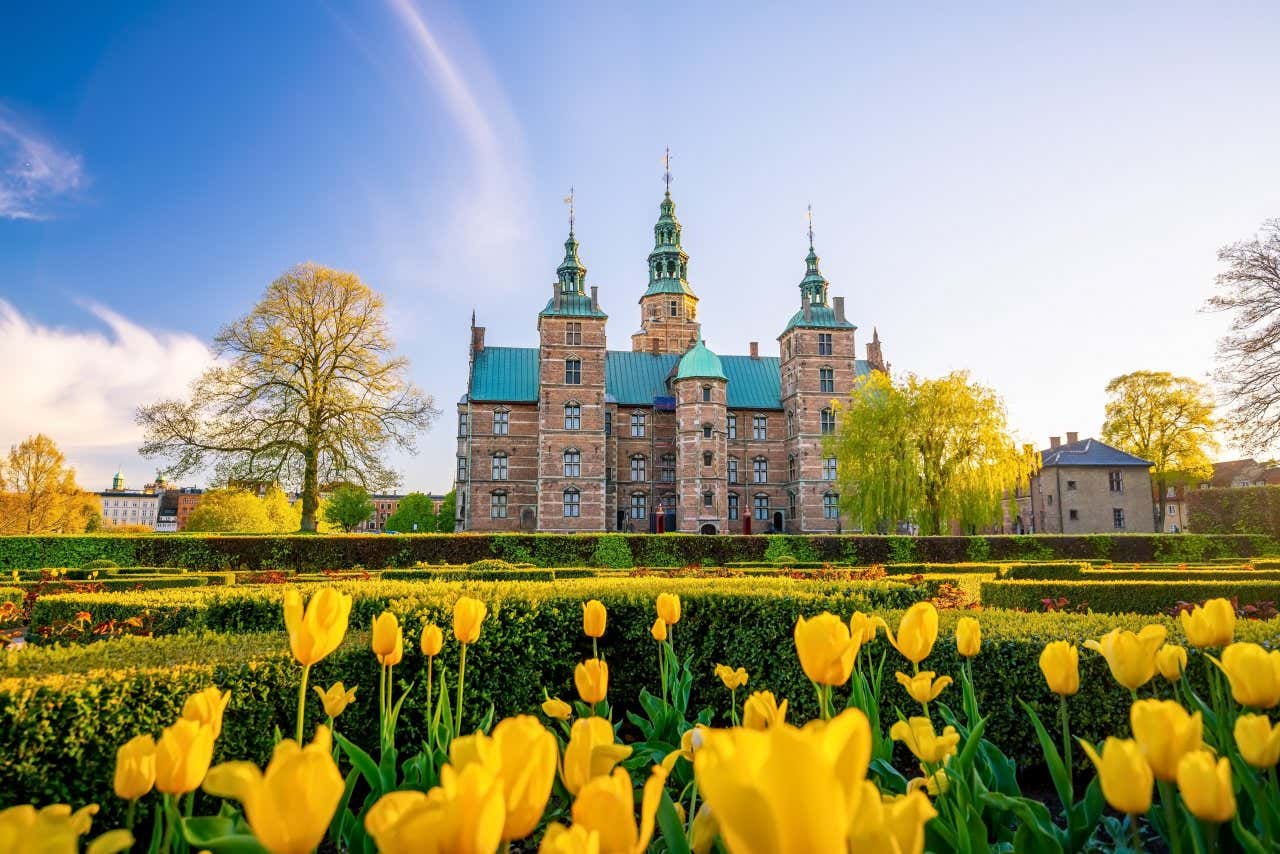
[
  {"x": 1169, "y": 804},
  {"x": 130, "y": 813},
  {"x": 595, "y": 652},
  {"x": 693, "y": 810},
  {"x": 167, "y": 809},
  {"x": 662, "y": 668},
  {"x": 382, "y": 706},
  {"x": 462, "y": 670},
  {"x": 302, "y": 701},
  {"x": 1134, "y": 834},
  {"x": 431, "y": 730}
]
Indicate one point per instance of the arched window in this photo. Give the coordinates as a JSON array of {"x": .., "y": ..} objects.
[
  {"x": 637, "y": 425},
  {"x": 828, "y": 420},
  {"x": 791, "y": 504},
  {"x": 573, "y": 463},
  {"x": 791, "y": 422},
  {"x": 498, "y": 504},
  {"x": 573, "y": 372},
  {"x": 791, "y": 468},
  {"x": 573, "y": 416},
  {"x": 707, "y": 458},
  {"x": 499, "y": 466},
  {"x": 572, "y": 502},
  {"x": 760, "y": 470},
  {"x": 638, "y": 467},
  {"x": 501, "y": 422}
]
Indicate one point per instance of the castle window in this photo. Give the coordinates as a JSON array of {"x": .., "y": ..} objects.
[
  {"x": 760, "y": 470},
  {"x": 668, "y": 468},
  {"x": 501, "y": 422},
  {"x": 499, "y": 466},
  {"x": 1115, "y": 480},
  {"x": 828, "y": 421},
  {"x": 706, "y": 394},
  {"x": 829, "y": 468},
  {"x": 462, "y": 423},
  {"x": 572, "y": 416},
  {"x": 1117, "y": 518},
  {"x": 572, "y": 463},
  {"x": 706, "y": 431},
  {"x": 824, "y": 343},
  {"x": 675, "y": 308},
  {"x": 573, "y": 333},
  {"x": 733, "y": 506},
  {"x": 760, "y": 504},
  {"x": 732, "y": 466},
  {"x": 608, "y": 423},
  {"x": 637, "y": 425},
  {"x": 498, "y": 505},
  {"x": 708, "y": 499},
  {"x": 791, "y": 422},
  {"x": 760, "y": 426},
  {"x": 731, "y": 426},
  {"x": 639, "y": 506},
  {"x": 830, "y": 506},
  {"x": 572, "y": 503},
  {"x": 791, "y": 504},
  {"x": 637, "y": 467},
  {"x": 791, "y": 468},
  {"x": 826, "y": 380},
  {"x": 573, "y": 372},
  {"x": 707, "y": 458}
]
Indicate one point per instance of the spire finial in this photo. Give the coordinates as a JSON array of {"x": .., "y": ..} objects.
[
  {"x": 666, "y": 171},
  {"x": 810, "y": 226},
  {"x": 568, "y": 200}
]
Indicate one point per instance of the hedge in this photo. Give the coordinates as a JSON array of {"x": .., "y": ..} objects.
[
  {"x": 468, "y": 574},
  {"x": 12, "y": 594},
  {"x": 64, "y": 710},
  {"x": 257, "y": 609},
  {"x": 1238, "y": 510},
  {"x": 1121, "y": 597},
  {"x": 377, "y": 551},
  {"x": 1124, "y": 571}
]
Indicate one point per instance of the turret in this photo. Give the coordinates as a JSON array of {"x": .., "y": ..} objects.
[{"x": 701, "y": 391}]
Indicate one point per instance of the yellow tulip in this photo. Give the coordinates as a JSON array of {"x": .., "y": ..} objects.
[
  {"x": 336, "y": 699},
  {"x": 468, "y": 614},
  {"x": 288, "y": 807},
  {"x": 569, "y": 840},
  {"x": 1164, "y": 733},
  {"x": 669, "y": 608},
  {"x": 1125, "y": 775},
  {"x": 592, "y": 680},
  {"x": 607, "y": 806},
  {"x": 183, "y": 754},
  {"x": 862, "y": 628},
  {"x": 523, "y": 754},
  {"x": 762, "y": 710},
  {"x": 1060, "y": 664},
  {"x": 594, "y": 617},
  {"x": 968, "y": 637},
  {"x": 135, "y": 767},
  {"x": 464, "y": 814},
  {"x": 825, "y": 648},
  {"x": 1171, "y": 661},
  {"x": 556, "y": 708},
  {"x": 704, "y": 831},
  {"x": 432, "y": 640},
  {"x": 922, "y": 687},
  {"x": 1254, "y": 674},
  {"x": 890, "y": 824},
  {"x": 1205, "y": 785},
  {"x": 55, "y": 828},
  {"x": 731, "y": 678},
  {"x": 387, "y": 639},
  {"x": 591, "y": 752},
  {"x": 931, "y": 784},
  {"x": 924, "y": 743},
  {"x": 1258, "y": 740},
  {"x": 659, "y": 630},
  {"x": 917, "y": 632},
  {"x": 1131, "y": 657},
  {"x": 207, "y": 707},
  {"x": 689, "y": 744},
  {"x": 317, "y": 631},
  {"x": 1210, "y": 624}
]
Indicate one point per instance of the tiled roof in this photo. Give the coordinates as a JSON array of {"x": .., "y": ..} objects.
[
  {"x": 1089, "y": 452},
  {"x": 508, "y": 374}
]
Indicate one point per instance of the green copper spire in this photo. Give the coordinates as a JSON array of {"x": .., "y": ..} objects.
[
  {"x": 813, "y": 286},
  {"x": 571, "y": 272},
  {"x": 668, "y": 262}
]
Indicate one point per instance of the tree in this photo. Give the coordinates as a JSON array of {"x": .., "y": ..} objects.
[
  {"x": 305, "y": 391},
  {"x": 1167, "y": 420},
  {"x": 283, "y": 515},
  {"x": 447, "y": 518},
  {"x": 934, "y": 451},
  {"x": 230, "y": 510},
  {"x": 348, "y": 506},
  {"x": 416, "y": 513},
  {"x": 1248, "y": 373},
  {"x": 38, "y": 492}
]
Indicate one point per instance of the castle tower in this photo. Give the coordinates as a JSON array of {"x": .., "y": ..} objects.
[
  {"x": 669, "y": 308},
  {"x": 701, "y": 392},
  {"x": 818, "y": 367},
  {"x": 571, "y": 402}
]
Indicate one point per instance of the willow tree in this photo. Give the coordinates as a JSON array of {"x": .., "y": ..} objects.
[
  {"x": 931, "y": 451},
  {"x": 305, "y": 390},
  {"x": 1167, "y": 420}
]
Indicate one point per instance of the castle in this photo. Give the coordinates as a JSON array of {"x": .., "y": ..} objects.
[{"x": 667, "y": 436}]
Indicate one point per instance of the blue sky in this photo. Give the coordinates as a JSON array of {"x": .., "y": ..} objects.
[{"x": 1032, "y": 192}]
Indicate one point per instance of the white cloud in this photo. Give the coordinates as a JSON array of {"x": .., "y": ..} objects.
[
  {"x": 33, "y": 171},
  {"x": 82, "y": 386}
]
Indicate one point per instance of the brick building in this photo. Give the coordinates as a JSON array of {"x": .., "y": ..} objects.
[
  {"x": 1086, "y": 487},
  {"x": 573, "y": 436}
]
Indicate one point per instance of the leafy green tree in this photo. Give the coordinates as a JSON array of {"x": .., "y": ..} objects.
[
  {"x": 447, "y": 519},
  {"x": 933, "y": 451},
  {"x": 285, "y": 516},
  {"x": 416, "y": 513},
  {"x": 1165, "y": 419},
  {"x": 348, "y": 506},
  {"x": 230, "y": 510}
]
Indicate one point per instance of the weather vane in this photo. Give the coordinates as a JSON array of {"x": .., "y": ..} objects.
[
  {"x": 568, "y": 200},
  {"x": 810, "y": 226},
  {"x": 666, "y": 171}
]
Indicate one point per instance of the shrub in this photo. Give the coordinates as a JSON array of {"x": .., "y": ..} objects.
[
  {"x": 101, "y": 563},
  {"x": 490, "y": 566},
  {"x": 612, "y": 551},
  {"x": 1121, "y": 597}
]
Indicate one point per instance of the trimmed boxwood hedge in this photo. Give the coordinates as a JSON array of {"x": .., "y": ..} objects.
[
  {"x": 1122, "y": 597},
  {"x": 63, "y": 710},
  {"x": 377, "y": 551},
  {"x": 1127, "y": 572}
]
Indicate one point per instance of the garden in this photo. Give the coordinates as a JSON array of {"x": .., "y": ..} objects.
[{"x": 613, "y": 693}]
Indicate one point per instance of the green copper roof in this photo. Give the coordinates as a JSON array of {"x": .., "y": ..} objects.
[
  {"x": 507, "y": 374},
  {"x": 700, "y": 363},
  {"x": 668, "y": 262},
  {"x": 572, "y": 305},
  {"x": 820, "y": 317},
  {"x": 635, "y": 379},
  {"x": 668, "y": 286}
]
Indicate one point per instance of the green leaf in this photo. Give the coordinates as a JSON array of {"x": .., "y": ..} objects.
[
  {"x": 219, "y": 835},
  {"x": 362, "y": 762},
  {"x": 669, "y": 824},
  {"x": 1057, "y": 769}
]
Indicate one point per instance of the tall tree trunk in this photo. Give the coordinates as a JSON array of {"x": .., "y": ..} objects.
[
  {"x": 1161, "y": 486},
  {"x": 310, "y": 487}
]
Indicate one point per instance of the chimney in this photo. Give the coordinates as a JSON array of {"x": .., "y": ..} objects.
[
  {"x": 755, "y": 349},
  {"x": 1055, "y": 441},
  {"x": 555, "y": 295},
  {"x": 808, "y": 311},
  {"x": 838, "y": 304},
  {"x": 1072, "y": 437},
  {"x": 595, "y": 298},
  {"x": 653, "y": 346},
  {"x": 477, "y": 339}
]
